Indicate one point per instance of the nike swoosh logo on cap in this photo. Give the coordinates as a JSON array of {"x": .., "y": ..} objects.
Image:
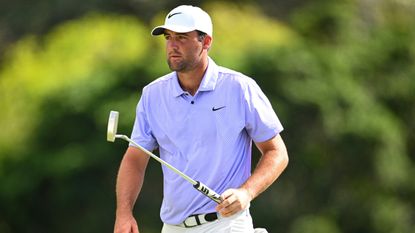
[{"x": 173, "y": 14}]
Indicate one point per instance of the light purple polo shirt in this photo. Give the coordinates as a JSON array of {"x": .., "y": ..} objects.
[{"x": 207, "y": 136}]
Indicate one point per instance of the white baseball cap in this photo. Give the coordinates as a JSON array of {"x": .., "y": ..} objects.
[{"x": 184, "y": 19}]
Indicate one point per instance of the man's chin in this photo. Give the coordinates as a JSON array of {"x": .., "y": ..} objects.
[{"x": 175, "y": 66}]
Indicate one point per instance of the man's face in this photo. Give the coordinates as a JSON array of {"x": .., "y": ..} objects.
[{"x": 184, "y": 50}]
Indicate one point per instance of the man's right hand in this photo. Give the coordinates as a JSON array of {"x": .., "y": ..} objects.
[{"x": 126, "y": 224}]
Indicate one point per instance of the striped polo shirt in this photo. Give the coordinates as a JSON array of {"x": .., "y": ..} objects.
[{"x": 207, "y": 136}]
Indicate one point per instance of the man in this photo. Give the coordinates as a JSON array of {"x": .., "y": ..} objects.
[{"x": 203, "y": 119}]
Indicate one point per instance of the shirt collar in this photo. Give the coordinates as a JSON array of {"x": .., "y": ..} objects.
[{"x": 208, "y": 82}]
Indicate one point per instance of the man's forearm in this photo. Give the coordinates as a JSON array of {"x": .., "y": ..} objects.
[
  {"x": 272, "y": 163},
  {"x": 130, "y": 180}
]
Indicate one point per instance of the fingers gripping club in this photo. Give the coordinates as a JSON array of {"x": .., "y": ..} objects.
[{"x": 112, "y": 135}]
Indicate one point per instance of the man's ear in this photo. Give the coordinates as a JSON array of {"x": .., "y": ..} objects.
[{"x": 207, "y": 42}]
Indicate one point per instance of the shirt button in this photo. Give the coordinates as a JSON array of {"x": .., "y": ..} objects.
[{"x": 192, "y": 102}]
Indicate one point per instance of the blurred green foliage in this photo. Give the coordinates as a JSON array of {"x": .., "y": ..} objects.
[{"x": 339, "y": 74}]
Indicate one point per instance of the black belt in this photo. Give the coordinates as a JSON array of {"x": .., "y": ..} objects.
[{"x": 198, "y": 219}]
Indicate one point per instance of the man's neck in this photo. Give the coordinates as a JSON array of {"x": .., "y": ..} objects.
[{"x": 190, "y": 80}]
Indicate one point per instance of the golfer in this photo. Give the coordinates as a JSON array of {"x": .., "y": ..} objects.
[{"x": 203, "y": 119}]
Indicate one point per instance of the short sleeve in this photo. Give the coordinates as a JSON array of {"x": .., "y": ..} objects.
[
  {"x": 261, "y": 121},
  {"x": 142, "y": 133}
]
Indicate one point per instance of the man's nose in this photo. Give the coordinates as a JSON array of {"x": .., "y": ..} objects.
[{"x": 172, "y": 43}]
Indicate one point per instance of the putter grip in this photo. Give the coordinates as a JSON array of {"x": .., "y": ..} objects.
[{"x": 207, "y": 192}]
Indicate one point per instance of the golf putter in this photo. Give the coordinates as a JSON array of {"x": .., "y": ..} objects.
[{"x": 112, "y": 135}]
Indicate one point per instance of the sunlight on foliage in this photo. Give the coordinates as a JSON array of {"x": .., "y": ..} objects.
[
  {"x": 90, "y": 50},
  {"x": 238, "y": 30}
]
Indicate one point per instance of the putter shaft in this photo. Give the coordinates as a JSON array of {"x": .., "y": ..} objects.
[{"x": 196, "y": 184}]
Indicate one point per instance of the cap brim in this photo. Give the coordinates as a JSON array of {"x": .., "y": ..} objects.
[
  {"x": 157, "y": 31},
  {"x": 175, "y": 28}
]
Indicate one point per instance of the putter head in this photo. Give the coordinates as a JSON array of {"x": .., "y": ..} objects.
[{"x": 112, "y": 126}]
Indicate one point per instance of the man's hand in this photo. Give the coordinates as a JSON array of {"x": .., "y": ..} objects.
[
  {"x": 126, "y": 224},
  {"x": 234, "y": 200}
]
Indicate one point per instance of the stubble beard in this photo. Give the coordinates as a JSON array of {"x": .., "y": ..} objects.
[
  {"x": 177, "y": 66},
  {"x": 183, "y": 65}
]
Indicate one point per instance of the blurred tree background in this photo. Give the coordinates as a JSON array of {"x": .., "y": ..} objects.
[{"x": 340, "y": 74}]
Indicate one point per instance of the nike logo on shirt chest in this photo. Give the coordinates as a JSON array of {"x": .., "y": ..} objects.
[{"x": 219, "y": 108}]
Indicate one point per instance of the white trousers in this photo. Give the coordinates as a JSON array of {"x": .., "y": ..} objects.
[{"x": 237, "y": 223}]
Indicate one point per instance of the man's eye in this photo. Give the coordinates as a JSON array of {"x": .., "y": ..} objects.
[{"x": 167, "y": 37}]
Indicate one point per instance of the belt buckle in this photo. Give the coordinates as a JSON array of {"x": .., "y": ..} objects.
[
  {"x": 191, "y": 217},
  {"x": 187, "y": 226},
  {"x": 199, "y": 219}
]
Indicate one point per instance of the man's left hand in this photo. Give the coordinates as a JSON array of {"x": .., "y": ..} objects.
[{"x": 234, "y": 200}]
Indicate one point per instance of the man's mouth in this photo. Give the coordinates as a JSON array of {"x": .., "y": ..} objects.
[{"x": 174, "y": 55}]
